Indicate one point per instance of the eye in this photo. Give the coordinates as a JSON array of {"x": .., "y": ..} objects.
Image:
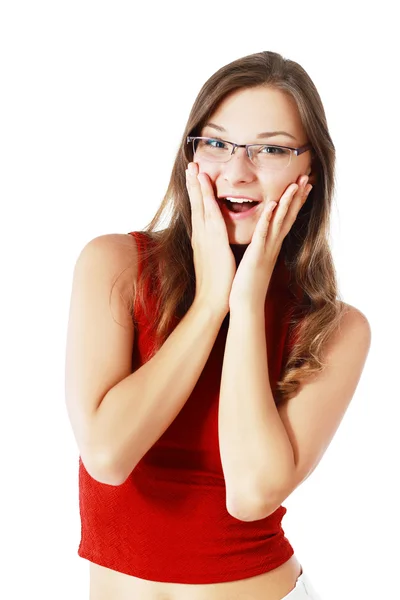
[
  {"x": 213, "y": 143},
  {"x": 272, "y": 150}
]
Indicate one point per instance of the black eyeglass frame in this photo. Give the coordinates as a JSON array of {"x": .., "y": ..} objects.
[{"x": 296, "y": 151}]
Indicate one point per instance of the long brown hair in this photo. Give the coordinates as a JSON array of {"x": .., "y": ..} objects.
[{"x": 305, "y": 249}]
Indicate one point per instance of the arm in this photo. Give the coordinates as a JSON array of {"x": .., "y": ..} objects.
[
  {"x": 254, "y": 445},
  {"x": 135, "y": 413},
  {"x": 261, "y": 468},
  {"x": 118, "y": 415}
]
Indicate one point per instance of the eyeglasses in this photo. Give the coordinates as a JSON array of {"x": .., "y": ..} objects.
[{"x": 263, "y": 156}]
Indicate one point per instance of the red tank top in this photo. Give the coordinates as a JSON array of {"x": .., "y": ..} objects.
[{"x": 168, "y": 521}]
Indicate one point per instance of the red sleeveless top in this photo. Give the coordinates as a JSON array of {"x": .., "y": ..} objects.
[{"x": 168, "y": 521}]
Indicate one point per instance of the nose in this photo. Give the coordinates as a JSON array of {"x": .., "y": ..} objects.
[{"x": 239, "y": 167}]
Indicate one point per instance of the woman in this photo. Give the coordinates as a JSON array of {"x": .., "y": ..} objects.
[{"x": 220, "y": 384}]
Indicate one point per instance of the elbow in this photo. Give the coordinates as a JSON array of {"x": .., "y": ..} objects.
[
  {"x": 252, "y": 511},
  {"x": 103, "y": 470},
  {"x": 248, "y": 515}
]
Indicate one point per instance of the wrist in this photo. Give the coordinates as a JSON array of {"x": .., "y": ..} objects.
[
  {"x": 247, "y": 306},
  {"x": 214, "y": 312}
]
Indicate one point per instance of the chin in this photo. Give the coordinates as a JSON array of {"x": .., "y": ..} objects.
[{"x": 240, "y": 237}]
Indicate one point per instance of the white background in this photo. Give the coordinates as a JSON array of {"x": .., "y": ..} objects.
[{"x": 83, "y": 85}]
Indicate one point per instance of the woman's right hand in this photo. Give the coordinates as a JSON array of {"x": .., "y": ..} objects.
[{"x": 214, "y": 262}]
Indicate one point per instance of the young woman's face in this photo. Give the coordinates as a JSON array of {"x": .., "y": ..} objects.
[{"x": 243, "y": 115}]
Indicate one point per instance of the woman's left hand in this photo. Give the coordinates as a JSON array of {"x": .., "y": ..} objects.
[{"x": 253, "y": 274}]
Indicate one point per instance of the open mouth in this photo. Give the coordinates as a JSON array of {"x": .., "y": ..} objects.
[
  {"x": 237, "y": 206},
  {"x": 242, "y": 206}
]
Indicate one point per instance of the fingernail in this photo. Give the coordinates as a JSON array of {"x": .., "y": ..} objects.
[
  {"x": 308, "y": 188},
  {"x": 192, "y": 169}
]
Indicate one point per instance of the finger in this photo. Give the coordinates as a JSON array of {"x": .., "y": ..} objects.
[
  {"x": 194, "y": 193},
  {"x": 285, "y": 203},
  {"x": 292, "y": 206},
  {"x": 211, "y": 208},
  {"x": 263, "y": 224},
  {"x": 299, "y": 199},
  {"x": 303, "y": 190},
  {"x": 307, "y": 190}
]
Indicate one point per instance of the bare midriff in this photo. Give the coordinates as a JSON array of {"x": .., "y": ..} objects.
[{"x": 106, "y": 584}]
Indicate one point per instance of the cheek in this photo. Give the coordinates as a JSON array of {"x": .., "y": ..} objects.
[
  {"x": 274, "y": 184},
  {"x": 208, "y": 168}
]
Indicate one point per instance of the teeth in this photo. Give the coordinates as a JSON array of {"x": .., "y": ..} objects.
[{"x": 240, "y": 200}]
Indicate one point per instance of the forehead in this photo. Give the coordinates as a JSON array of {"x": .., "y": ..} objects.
[{"x": 247, "y": 112}]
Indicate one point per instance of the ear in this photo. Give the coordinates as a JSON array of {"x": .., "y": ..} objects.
[{"x": 312, "y": 176}]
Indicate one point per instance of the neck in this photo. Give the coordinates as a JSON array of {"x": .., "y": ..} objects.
[{"x": 238, "y": 250}]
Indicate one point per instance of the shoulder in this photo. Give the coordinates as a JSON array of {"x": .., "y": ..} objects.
[
  {"x": 120, "y": 248},
  {"x": 113, "y": 255},
  {"x": 113, "y": 242},
  {"x": 355, "y": 319},
  {"x": 353, "y": 335}
]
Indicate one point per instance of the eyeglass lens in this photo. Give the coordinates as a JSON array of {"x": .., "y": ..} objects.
[{"x": 261, "y": 155}]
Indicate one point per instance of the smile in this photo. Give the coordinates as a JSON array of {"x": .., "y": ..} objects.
[{"x": 238, "y": 210}]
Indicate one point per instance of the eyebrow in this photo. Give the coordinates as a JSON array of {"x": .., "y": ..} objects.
[{"x": 264, "y": 134}]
